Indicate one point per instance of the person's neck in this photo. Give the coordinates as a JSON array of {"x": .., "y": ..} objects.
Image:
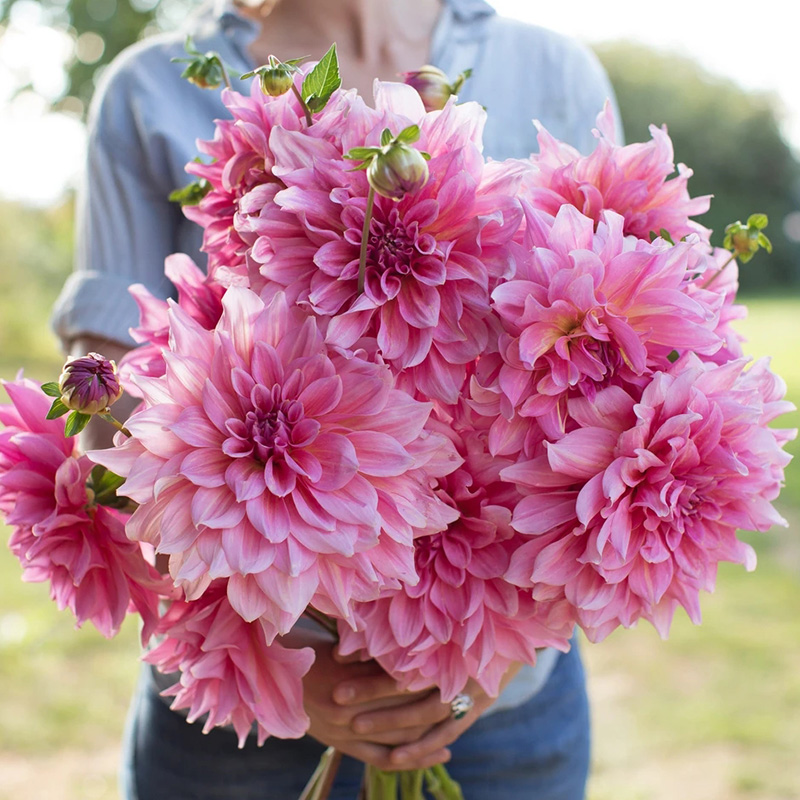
[{"x": 374, "y": 38}]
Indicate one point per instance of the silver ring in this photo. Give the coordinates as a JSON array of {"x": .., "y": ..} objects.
[{"x": 461, "y": 705}]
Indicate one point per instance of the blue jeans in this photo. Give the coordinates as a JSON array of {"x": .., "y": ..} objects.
[{"x": 537, "y": 751}]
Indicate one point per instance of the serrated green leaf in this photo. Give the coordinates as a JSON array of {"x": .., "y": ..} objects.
[
  {"x": 759, "y": 221},
  {"x": 408, "y": 135},
  {"x": 58, "y": 409},
  {"x": 51, "y": 389},
  {"x": 76, "y": 422},
  {"x": 322, "y": 81}
]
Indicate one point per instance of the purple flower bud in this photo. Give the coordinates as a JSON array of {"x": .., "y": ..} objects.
[
  {"x": 89, "y": 384},
  {"x": 432, "y": 85},
  {"x": 398, "y": 171}
]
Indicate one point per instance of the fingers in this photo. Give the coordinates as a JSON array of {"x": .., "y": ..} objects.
[
  {"x": 407, "y": 756},
  {"x": 369, "y": 688},
  {"x": 422, "y": 713}
]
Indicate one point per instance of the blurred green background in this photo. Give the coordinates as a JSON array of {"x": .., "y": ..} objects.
[{"x": 712, "y": 714}]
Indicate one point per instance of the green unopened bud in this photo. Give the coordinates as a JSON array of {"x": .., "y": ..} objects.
[
  {"x": 397, "y": 171},
  {"x": 744, "y": 241},
  {"x": 204, "y": 72},
  {"x": 433, "y": 85},
  {"x": 276, "y": 81}
]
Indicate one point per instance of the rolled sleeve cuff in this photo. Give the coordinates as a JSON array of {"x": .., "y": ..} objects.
[{"x": 95, "y": 304}]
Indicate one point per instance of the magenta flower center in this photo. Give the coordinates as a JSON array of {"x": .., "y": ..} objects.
[{"x": 271, "y": 427}]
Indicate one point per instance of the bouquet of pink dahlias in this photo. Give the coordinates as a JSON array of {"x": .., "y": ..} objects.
[{"x": 447, "y": 407}]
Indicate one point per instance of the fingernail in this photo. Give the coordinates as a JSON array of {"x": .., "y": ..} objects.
[
  {"x": 399, "y": 756},
  {"x": 344, "y": 694}
]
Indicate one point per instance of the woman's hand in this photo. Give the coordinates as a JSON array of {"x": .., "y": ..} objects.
[
  {"x": 357, "y": 708},
  {"x": 431, "y": 747}
]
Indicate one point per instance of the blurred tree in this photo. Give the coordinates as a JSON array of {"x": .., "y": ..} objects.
[
  {"x": 100, "y": 29},
  {"x": 731, "y": 139}
]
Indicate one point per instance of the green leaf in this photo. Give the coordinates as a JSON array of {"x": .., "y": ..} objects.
[
  {"x": 51, "y": 389},
  {"x": 408, "y": 135},
  {"x": 666, "y": 236},
  {"x": 322, "y": 81},
  {"x": 764, "y": 241},
  {"x": 76, "y": 422},
  {"x": 104, "y": 484},
  {"x": 362, "y": 153},
  {"x": 192, "y": 194},
  {"x": 386, "y": 137},
  {"x": 58, "y": 409},
  {"x": 673, "y": 356},
  {"x": 759, "y": 221}
]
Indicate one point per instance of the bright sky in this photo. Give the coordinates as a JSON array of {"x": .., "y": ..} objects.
[{"x": 755, "y": 44}]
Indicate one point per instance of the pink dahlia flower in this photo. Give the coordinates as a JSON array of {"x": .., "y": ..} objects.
[
  {"x": 630, "y": 513},
  {"x": 431, "y": 256},
  {"x": 60, "y": 536},
  {"x": 587, "y": 308},
  {"x": 229, "y": 671},
  {"x": 462, "y": 619},
  {"x": 263, "y": 457},
  {"x": 632, "y": 180},
  {"x": 199, "y": 296},
  {"x": 240, "y": 161}
]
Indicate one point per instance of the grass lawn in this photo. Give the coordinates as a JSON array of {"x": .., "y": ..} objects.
[{"x": 712, "y": 714}]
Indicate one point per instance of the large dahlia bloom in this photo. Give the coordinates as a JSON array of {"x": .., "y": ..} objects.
[
  {"x": 264, "y": 457},
  {"x": 230, "y": 671},
  {"x": 630, "y": 513},
  {"x": 632, "y": 180},
  {"x": 60, "y": 536},
  {"x": 589, "y": 307},
  {"x": 462, "y": 619},
  {"x": 431, "y": 257}
]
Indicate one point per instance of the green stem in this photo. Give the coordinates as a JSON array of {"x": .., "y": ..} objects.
[
  {"x": 362, "y": 259},
  {"x": 411, "y": 784},
  {"x": 116, "y": 423},
  {"x": 441, "y": 785},
  {"x": 718, "y": 272},
  {"x": 306, "y": 109},
  {"x": 224, "y": 73},
  {"x": 321, "y": 782}
]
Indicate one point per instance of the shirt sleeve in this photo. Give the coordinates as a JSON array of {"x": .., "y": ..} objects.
[{"x": 125, "y": 224}]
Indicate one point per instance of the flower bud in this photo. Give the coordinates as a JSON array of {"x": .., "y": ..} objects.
[
  {"x": 204, "y": 72},
  {"x": 89, "y": 384},
  {"x": 432, "y": 85},
  {"x": 276, "y": 80},
  {"x": 397, "y": 171}
]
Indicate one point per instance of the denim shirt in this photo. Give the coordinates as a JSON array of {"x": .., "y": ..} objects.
[{"x": 146, "y": 119}]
